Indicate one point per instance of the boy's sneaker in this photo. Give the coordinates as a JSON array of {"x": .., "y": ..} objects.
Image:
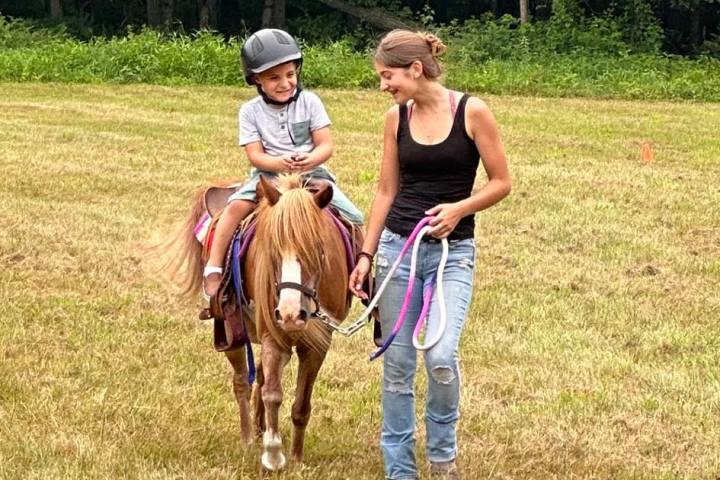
[
  {"x": 212, "y": 278},
  {"x": 444, "y": 470}
]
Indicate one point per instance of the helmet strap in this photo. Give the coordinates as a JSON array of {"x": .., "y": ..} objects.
[{"x": 271, "y": 101}]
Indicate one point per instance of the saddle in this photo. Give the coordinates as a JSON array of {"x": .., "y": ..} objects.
[{"x": 216, "y": 197}]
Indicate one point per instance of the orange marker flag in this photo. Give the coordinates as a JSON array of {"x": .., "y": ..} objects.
[{"x": 647, "y": 154}]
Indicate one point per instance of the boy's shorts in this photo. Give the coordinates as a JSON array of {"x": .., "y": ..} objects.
[{"x": 340, "y": 201}]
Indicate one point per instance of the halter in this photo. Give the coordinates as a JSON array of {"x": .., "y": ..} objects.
[
  {"x": 307, "y": 291},
  {"x": 420, "y": 230}
]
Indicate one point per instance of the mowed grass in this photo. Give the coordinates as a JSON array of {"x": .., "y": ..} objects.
[{"x": 592, "y": 349}]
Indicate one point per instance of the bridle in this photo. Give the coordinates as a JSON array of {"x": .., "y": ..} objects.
[{"x": 311, "y": 293}]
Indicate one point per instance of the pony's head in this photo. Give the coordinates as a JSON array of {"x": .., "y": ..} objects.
[{"x": 292, "y": 254}]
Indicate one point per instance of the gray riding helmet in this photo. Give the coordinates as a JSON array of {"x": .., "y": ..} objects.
[{"x": 268, "y": 48}]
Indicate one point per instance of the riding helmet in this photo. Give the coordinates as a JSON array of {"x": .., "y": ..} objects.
[{"x": 268, "y": 48}]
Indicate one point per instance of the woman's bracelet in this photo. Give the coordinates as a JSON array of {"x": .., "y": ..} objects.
[{"x": 367, "y": 255}]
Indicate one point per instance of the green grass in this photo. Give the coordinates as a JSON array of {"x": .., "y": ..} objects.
[
  {"x": 487, "y": 58},
  {"x": 592, "y": 349}
]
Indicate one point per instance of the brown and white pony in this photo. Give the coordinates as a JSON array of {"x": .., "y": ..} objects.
[{"x": 296, "y": 241}]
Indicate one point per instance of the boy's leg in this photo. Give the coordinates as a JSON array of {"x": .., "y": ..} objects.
[
  {"x": 231, "y": 217},
  {"x": 345, "y": 206}
]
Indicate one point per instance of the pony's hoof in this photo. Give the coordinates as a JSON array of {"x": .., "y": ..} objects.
[
  {"x": 273, "y": 461},
  {"x": 272, "y": 458}
]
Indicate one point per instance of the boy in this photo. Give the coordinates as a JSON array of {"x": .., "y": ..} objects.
[{"x": 283, "y": 129}]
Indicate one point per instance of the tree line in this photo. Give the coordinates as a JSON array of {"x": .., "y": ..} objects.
[{"x": 687, "y": 27}]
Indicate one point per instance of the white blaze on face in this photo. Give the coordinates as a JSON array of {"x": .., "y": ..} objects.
[{"x": 290, "y": 298}]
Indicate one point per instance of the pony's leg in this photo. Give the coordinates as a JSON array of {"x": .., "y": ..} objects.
[
  {"x": 274, "y": 360},
  {"x": 310, "y": 361},
  {"x": 241, "y": 387},
  {"x": 257, "y": 401}
]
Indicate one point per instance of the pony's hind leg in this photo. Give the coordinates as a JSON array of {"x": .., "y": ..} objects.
[
  {"x": 310, "y": 361},
  {"x": 274, "y": 360},
  {"x": 241, "y": 387}
]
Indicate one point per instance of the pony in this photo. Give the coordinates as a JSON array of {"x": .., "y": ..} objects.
[{"x": 295, "y": 266}]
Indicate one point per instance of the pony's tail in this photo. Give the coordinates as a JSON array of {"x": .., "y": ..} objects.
[{"x": 179, "y": 258}]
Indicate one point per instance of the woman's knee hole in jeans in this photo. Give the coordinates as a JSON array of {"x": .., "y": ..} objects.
[
  {"x": 399, "y": 387},
  {"x": 443, "y": 374},
  {"x": 442, "y": 365},
  {"x": 399, "y": 376}
]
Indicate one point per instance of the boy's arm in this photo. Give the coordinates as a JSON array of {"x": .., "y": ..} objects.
[
  {"x": 320, "y": 154},
  {"x": 266, "y": 162}
]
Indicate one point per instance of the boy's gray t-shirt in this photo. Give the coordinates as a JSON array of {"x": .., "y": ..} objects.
[{"x": 283, "y": 130}]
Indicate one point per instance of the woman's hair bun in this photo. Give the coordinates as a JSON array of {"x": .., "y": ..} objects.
[{"x": 437, "y": 47}]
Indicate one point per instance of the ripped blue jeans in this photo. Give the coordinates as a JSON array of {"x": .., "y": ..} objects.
[{"x": 397, "y": 439}]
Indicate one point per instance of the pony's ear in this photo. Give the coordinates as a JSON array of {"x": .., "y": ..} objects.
[
  {"x": 324, "y": 195},
  {"x": 266, "y": 189}
]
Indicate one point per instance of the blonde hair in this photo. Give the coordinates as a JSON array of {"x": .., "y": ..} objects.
[{"x": 400, "y": 48}]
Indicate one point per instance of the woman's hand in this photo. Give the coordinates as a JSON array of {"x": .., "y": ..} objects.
[
  {"x": 445, "y": 218},
  {"x": 358, "y": 276}
]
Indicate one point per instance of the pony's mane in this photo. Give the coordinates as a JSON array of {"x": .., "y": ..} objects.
[{"x": 294, "y": 225}]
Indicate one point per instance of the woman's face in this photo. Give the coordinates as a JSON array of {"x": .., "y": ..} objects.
[
  {"x": 397, "y": 81},
  {"x": 279, "y": 82}
]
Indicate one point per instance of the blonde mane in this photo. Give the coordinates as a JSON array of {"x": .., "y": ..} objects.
[{"x": 294, "y": 225}]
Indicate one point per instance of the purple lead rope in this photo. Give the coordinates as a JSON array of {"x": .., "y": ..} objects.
[{"x": 414, "y": 239}]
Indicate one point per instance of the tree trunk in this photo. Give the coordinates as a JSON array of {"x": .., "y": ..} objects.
[
  {"x": 524, "y": 12},
  {"x": 377, "y": 17},
  {"x": 168, "y": 13},
  {"x": 55, "y": 9},
  {"x": 696, "y": 37},
  {"x": 209, "y": 14},
  {"x": 153, "y": 13},
  {"x": 273, "y": 14},
  {"x": 160, "y": 13}
]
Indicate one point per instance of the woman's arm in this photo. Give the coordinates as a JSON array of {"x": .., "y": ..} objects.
[
  {"x": 385, "y": 195},
  {"x": 482, "y": 128}
]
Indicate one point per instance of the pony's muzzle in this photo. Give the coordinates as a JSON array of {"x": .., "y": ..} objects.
[{"x": 290, "y": 321}]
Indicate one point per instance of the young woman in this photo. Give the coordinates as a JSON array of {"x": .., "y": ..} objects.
[{"x": 435, "y": 139}]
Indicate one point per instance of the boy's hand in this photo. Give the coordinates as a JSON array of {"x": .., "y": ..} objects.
[
  {"x": 301, "y": 162},
  {"x": 287, "y": 163}
]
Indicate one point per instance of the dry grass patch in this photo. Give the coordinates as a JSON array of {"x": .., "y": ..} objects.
[{"x": 592, "y": 349}]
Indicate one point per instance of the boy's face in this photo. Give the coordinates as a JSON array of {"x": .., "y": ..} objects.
[{"x": 279, "y": 82}]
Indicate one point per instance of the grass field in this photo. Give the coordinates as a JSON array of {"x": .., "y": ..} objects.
[{"x": 592, "y": 348}]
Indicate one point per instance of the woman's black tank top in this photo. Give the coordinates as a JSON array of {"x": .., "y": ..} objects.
[{"x": 432, "y": 174}]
